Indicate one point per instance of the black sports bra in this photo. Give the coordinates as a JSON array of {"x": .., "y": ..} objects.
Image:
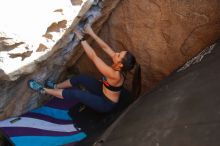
[{"x": 110, "y": 87}]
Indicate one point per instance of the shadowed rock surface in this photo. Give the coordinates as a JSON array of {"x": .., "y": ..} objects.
[{"x": 183, "y": 110}]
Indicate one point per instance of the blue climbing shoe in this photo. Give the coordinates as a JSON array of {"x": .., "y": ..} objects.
[
  {"x": 50, "y": 84},
  {"x": 34, "y": 85}
]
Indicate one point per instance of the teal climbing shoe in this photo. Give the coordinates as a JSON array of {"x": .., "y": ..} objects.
[
  {"x": 50, "y": 84},
  {"x": 34, "y": 85}
]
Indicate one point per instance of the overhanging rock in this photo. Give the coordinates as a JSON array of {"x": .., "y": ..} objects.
[
  {"x": 31, "y": 31},
  {"x": 15, "y": 97}
]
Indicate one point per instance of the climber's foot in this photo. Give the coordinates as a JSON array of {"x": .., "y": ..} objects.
[
  {"x": 34, "y": 85},
  {"x": 50, "y": 84}
]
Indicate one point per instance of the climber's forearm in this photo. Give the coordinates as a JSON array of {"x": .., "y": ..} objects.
[
  {"x": 88, "y": 49},
  {"x": 102, "y": 44}
]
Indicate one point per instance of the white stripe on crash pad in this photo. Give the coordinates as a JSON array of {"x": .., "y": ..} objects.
[{"x": 39, "y": 124}]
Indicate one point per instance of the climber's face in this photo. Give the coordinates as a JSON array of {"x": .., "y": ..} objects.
[{"x": 117, "y": 58}]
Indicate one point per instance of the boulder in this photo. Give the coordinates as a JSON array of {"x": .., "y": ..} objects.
[
  {"x": 162, "y": 35},
  {"x": 47, "y": 54},
  {"x": 29, "y": 32}
]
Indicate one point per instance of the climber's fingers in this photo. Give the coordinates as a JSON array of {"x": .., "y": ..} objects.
[
  {"x": 78, "y": 34},
  {"x": 88, "y": 29}
]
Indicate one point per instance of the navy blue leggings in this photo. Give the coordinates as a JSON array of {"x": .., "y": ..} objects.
[{"x": 92, "y": 97}]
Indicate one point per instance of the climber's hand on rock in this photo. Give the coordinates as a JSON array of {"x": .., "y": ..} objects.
[
  {"x": 88, "y": 29},
  {"x": 78, "y": 34}
]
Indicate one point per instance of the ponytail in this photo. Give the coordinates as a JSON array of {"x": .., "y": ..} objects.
[
  {"x": 129, "y": 62},
  {"x": 136, "y": 82}
]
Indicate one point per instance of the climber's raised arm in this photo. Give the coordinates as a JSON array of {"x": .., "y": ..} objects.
[
  {"x": 99, "y": 63},
  {"x": 100, "y": 42}
]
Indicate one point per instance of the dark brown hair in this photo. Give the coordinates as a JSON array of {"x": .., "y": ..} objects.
[{"x": 129, "y": 62}]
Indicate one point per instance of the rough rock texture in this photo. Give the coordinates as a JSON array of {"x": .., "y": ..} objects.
[
  {"x": 182, "y": 111},
  {"x": 15, "y": 96},
  {"x": 162, "y": 34},
  {"x": 31, "y": 32}
]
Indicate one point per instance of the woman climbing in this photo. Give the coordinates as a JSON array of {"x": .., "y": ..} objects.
[{"x": 103, "y": 95}]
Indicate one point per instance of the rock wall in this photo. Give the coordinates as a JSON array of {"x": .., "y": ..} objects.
[
  {"x": 31, "y": 33},
  {"x": 15, "y": 96},
  {"x": 162, "y": 34}
]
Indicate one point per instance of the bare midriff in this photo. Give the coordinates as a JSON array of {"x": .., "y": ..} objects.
[{"x": 113, "y": 96}]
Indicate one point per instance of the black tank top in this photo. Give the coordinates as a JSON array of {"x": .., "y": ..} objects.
[{"x": 110, "y": 87}]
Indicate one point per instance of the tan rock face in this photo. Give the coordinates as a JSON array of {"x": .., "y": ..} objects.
[{"x": 162, "y": 35}]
